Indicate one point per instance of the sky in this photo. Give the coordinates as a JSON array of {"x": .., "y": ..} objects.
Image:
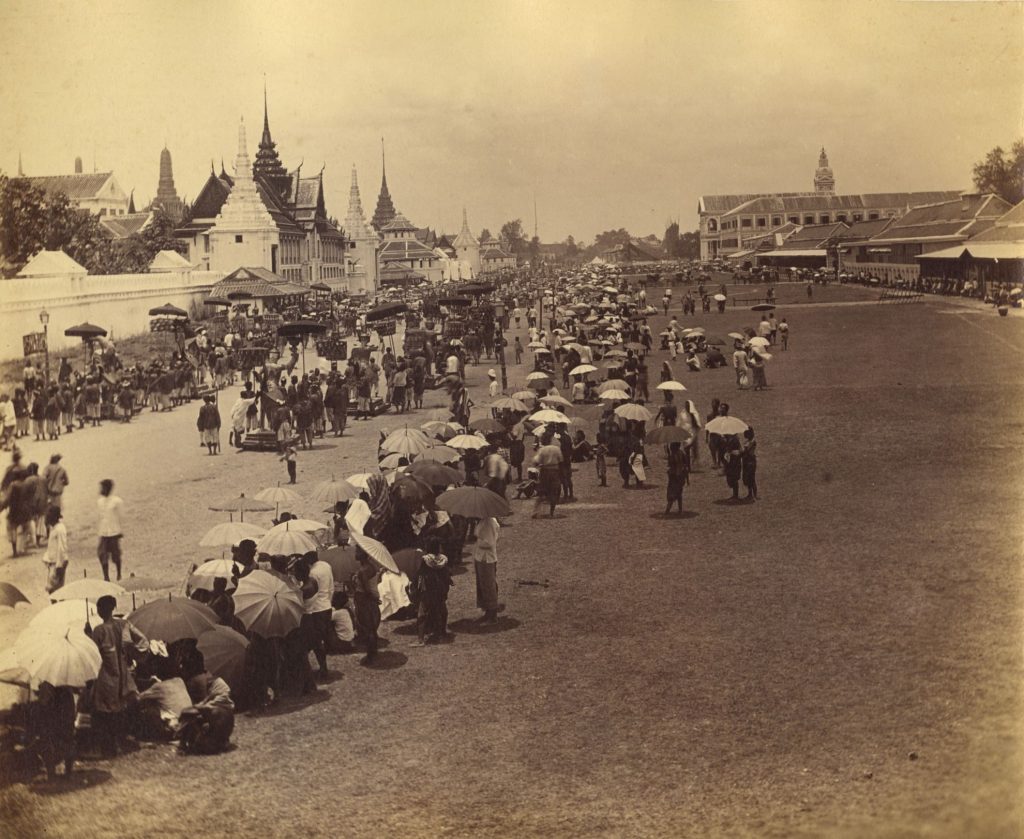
[{"x": 606, "y": 114}]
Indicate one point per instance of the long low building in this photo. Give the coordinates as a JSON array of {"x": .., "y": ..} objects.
[{"x": 729, "y": 224}]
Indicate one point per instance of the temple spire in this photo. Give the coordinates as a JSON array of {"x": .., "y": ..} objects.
[
  {"x": 355, "y": 222},
  {"x": 385, "y": 211},
  {"x": 268, "y": 162},
  {"x": 243, "y": 209}
]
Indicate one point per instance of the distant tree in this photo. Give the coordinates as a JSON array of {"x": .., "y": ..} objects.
[
  {"x": 571, "y": 248},
  {"x": 671, "y": 243},
  {"x": 485, "y": 234},
  {"x": 512, "y": 237},
  {"x": 534, "y": 251},
  {"x": 133, "y": 254},
  {"x": 610, "y": 238},
  {"x": 1002, "y": 173},
  {"x": 688, "y": 246},
  {"x": 32, "y": 220}
]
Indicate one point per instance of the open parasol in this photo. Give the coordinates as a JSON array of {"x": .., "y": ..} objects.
[
  {"x": 11, "y": 596},
  {"x": 229, "y": 533},
  {"x": 672, "y": 385},
  {"x": 86, "y": 589},
  {"x": 725, "y": 426},
  {"x": 435, "y": 474},
  {"x": 333, "y": 491},
  {"x": 376, "y": 551},
  {"x": 64, "y": 657},
  {"x": 669, "y": 434},
  {"x": 173, "y": 619},
  {"x": 210, "y": 570},
  {"x": 632, "y": 411},
  {"x": 267, "y": 604},
  {"x": 474, "y": 503},
  {"x": 242, "y": 505},
  {"x": 467, "y": 441},
  {"x": 487, "y": 425},
  {"x": 508, "y": 403},
  {"x": 285, "y": 542},
  {"x": 224, "y": 652}
]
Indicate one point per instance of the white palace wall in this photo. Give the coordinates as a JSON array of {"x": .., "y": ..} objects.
[{"x": 120, "y": 303}]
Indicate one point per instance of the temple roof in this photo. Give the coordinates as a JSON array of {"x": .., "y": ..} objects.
[
  {"x": 465, "y": 239},
  {"x": 121, "y": 227},
  {"x": 77, "y": 187}
]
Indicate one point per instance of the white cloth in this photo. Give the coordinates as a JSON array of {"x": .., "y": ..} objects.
[
  {"x": 357, "y": 516},
  {"x": 487, "y": 540},
  {"x": 110, "y": 507},
  {"x": 321, "y": 601},
  {"x": 452, "y": 364},
  {"x": 57, "y": 546},
  {"x": 393, "y": 595},
  {"x": 342, "y": 622},
  {"x": 7, "y": 415},
  {"x": 493, "y": 389}
]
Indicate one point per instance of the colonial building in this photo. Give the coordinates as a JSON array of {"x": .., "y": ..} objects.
[
  {"x": 995, "y": 255},
  {"x": 493, "y": 257},
  {"x": 729, "y": 222},
  {"x": 401, "y": 252},
  {"x": 306, "y": 246},
  {"x": 97, "y": 192},
  {"x": 362, "y": 241},
  {"x": 895, "y": 253}
]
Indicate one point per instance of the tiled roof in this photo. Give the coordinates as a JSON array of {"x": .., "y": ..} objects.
[
  {"x": 258, "y": 282},
  {"x": 717, "y": 204},
  {"x": 963, "y": 216},
  {"x": 785, "y": 202},
  {"x": 865, "y": 229},
  {"x": 76, "y": 187},
  {"x": 211, "y": 198},
  {"x": 814, "y": 235},
  {"x": 404, "y": 249},
  {"x": 494, "y": 253},
  {"x": 121, "y": 227}
]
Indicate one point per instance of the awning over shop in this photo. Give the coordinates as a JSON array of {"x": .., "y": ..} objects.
[
  {"x": 819, "y": 252},
  {"x": 980, "y": 250}
]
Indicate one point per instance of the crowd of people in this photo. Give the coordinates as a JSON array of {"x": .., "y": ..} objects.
[{"x": 396, "y": 537}]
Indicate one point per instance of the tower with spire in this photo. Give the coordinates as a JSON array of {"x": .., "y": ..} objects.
[
  {"x": 244, "y": 233},
  {"x": 167, "y": 198},
  {"x": 268, "y": 166},
  {"x": 467, "y": 249},
  {"x": 824, "y": 180},
  {"x": 361, "y": 259},
  {"x": 385, "y": 212}
]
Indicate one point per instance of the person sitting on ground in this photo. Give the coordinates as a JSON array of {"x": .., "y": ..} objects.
[
  {"x": 692, "y": 361},
  {"x": 714, "y": 358},
  {"x": 206, "y": 726},
  {"x": 343, "y": 630},
  {"x": 581, "y": 449}
]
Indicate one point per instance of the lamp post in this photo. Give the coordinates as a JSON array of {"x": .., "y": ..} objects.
[{"x": 44, "y": 319}]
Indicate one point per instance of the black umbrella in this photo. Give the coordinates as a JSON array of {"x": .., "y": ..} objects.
[
  {"x": 762, "y": 307},
  {"x": 320, "y": 287},
  {"x": 85, "y": 330},
  {"x": 454, "y": 301},
  {"x": 168, "y": 311},
  {"x": 217, "y": 301},
  {"x": 388, "y": 310}
]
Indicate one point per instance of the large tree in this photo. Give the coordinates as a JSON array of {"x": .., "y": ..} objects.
[
  {"x": 688, "y": 246},
  {"x": 1002, "y": 173},
  {"x": 512, "y": 237},
  {"x": 32, "y": 220},
  {"x": 133, "y": 254}
]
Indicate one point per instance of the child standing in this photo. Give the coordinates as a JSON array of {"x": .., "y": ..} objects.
[{"x": 289, "y": 458}]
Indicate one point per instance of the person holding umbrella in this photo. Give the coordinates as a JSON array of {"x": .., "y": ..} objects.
[
  {"x": 678, "y": 476},
  {"x": 732, "y": 459},
  {"x": 114, "y": 687},
  {"x": 366, "y": 597},
  {"x": 486, "y": 566}
]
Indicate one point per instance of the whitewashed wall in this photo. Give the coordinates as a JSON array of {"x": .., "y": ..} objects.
[{"x": 120, "y": 303}]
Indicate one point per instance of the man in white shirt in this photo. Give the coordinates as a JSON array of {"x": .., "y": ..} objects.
[
  {"x": 764, "y": 328},
  {"x": 8, "y": 420},
  {"x": 110, "y": 531},
  {"x": 317, "y": 591},
  {"x": 452, "y": 365},
  {"x": 492, "y": 387}
]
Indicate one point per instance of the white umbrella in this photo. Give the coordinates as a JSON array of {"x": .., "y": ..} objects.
[
  {"x": 210, "y": 570},
  {"x": 229, "y": 533},
  {"x": 65, "y": 657},
  {"x": 286, "y": 542},
  {"x": 615, "y": 395},
  {"x": 277, "y": 495},
  {"x": 758, "y": 342},
  {"x": 332, "y": 491},
  {"x": 555, "y": 399},
  {"x": 66, "y": 613},
  {"x": 631, "y": 411},
  {"x": 466, "y": 441},
  {"x": 359, "y": 480},
  {"x": 305, "y": 525},
  {"x": 548, "y": 415},
  {"x": 671, "y": 385}
]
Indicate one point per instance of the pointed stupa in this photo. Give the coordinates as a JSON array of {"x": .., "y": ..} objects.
[
  {"x": 243, "y": 209},
  {"x": 465, "y": 239},
  {"x": 385, "y": 211},
  {"x": 268, "y": 162},
  {"x": 355, "y": 222},
  {"x": 166, "y": 195}
]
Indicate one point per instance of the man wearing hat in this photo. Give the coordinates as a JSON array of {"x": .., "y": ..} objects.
[
  {"x": 492, "y": 387},
  {"x": 55, "y": 478}
]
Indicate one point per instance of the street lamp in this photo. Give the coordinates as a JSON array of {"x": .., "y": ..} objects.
[{"x": 44, "y": 319}]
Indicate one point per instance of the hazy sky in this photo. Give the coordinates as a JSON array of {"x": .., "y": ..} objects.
[{"x": 613, "y": 114}]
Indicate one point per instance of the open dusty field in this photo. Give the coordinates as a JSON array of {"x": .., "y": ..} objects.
[{"x": 842, "y": 658}]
